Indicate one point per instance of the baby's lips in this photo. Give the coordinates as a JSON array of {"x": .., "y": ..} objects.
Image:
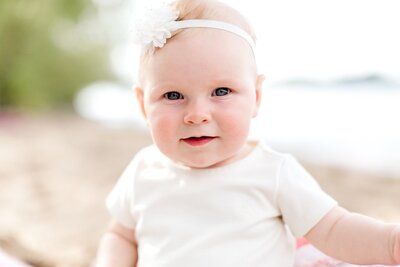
[
  {"x": 198, "y": 141},
  {"x": 198, "y": 137}
]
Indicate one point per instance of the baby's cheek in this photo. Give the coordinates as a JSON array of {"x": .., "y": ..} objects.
[
  {"x": 236, "y": 130},
  {"x": 237, "y": 124},
  {"x": 162, "y": 129}
]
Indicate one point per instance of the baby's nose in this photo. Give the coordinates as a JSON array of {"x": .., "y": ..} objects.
[{"x": 197, "y": 114}]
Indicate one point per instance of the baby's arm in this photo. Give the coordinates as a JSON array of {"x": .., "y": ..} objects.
[
  {"x": 356, "y": 239},
  {"x": 117, "y": 247}
]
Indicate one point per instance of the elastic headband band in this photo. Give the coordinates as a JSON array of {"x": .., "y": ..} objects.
[
  {"x": 215, "y": 24},
  {"x": 158, "y": 24}
]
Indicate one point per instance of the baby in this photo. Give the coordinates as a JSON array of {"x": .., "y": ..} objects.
[{"x": 204, "y": 194}]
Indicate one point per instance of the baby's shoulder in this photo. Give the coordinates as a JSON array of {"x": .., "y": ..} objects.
[
  {"x": 270, "y": 154},
  {"x": 279, "y": 162},
  {"x": 150, "y": 156}
]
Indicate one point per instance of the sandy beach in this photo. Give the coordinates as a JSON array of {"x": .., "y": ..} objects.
[{"x": 56, "y": 170}]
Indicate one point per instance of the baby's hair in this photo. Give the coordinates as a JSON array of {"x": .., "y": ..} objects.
[
  {"x": 199, "y": 9},
  {"x": 211, "y": 9}
]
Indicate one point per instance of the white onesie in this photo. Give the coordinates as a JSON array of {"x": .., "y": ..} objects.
[{"x": 241, "y": 214}]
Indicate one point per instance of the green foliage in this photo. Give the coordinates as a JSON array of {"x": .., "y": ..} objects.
[{"x": 45, "y": 54}]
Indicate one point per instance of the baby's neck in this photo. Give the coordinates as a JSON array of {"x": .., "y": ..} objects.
[{"x": 244, "y": 152}]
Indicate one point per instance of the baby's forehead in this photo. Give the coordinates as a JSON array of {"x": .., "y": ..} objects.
[
  {"x": 192, "y": 60},
  {"x": 205, "y": 51}
]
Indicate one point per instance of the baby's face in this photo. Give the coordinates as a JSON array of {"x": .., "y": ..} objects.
[{"x": 200, "y": 94}]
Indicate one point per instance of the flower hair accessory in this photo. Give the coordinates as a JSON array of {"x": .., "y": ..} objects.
[{"x": 159, "y": 23}]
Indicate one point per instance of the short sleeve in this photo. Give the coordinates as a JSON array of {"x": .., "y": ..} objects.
[
  {"x": 300, "y": 199},
  {"x": 120, "y": 201}
]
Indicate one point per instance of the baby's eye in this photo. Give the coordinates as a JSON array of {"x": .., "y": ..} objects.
[
  {"x": 221, "y": 91},
  {"x": 173, "y": 95}
]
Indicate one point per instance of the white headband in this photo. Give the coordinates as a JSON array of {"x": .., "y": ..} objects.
[{"x": 159, "y": 23}]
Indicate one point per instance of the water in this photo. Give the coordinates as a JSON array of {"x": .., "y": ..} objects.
[
  {"x": 358, "y": 129},
  {"x": 351, "y": 125}
]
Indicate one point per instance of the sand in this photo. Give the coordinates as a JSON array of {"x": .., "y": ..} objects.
[{"x": 57, "y": 168}]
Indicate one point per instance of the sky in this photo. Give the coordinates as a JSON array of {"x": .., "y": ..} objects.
[
  {"x": 321, "y": 39},
  {"x": 309, "y": 39}
]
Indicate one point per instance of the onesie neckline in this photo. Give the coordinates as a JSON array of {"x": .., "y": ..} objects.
[{"x": 235, "y": 165}]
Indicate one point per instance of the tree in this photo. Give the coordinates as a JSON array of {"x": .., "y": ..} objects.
[{"x": 47, "y": 52}]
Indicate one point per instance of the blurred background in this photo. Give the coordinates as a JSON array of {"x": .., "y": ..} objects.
[{"x": 69, "y": 123}]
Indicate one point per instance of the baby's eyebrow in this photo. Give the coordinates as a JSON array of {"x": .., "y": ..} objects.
[
  {"x": 225, "y": 82},
  {"x": 164, "y": 86},
  {"x": 223, "y": 79},
  {"x": 220, "y": 82}
]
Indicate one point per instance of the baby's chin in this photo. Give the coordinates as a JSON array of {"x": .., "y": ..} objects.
[
  {"x": 194, "y": 163},
  {"x": 197, "y": 165},
  {"x": 204, "y": 164}
]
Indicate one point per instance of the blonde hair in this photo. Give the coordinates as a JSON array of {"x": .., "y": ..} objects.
[{"x": 200, "y": 9}]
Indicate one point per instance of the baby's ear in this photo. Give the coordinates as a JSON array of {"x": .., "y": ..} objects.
[
  {"x": 259, "y": 84},
  {"x": 140, "y": 98}
]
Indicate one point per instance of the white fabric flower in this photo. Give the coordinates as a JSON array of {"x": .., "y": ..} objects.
[{"x": 155, "y": 27}]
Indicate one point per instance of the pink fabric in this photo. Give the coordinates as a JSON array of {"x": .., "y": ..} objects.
[{"x": 301, "y": 242}]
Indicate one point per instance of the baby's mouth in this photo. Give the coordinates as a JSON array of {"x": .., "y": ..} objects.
[{"x": 198, "y": 141}]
